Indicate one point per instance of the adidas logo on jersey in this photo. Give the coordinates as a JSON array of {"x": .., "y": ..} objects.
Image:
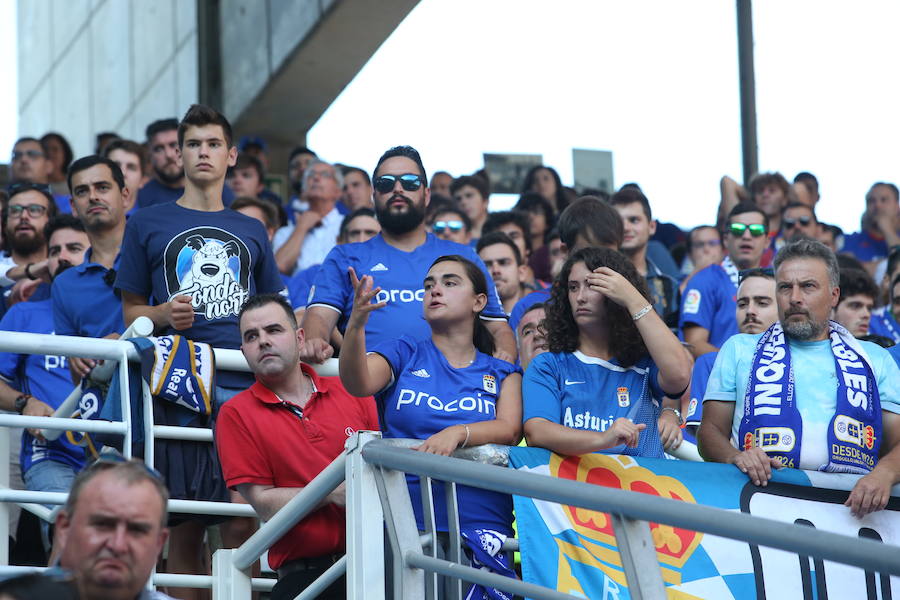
[
  {"x": 421, "y": 373},
  {"x": 379, "y": 267}
]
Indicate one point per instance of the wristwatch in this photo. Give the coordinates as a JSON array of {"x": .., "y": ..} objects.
[
  {"x": 677, "y": 414},
  {"x": 22, "y": 401}
]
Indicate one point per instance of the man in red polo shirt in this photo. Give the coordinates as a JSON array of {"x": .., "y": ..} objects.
[{"x": 275, "y": 437}]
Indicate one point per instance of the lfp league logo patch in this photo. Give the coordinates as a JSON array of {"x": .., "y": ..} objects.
[
  {"x": 622, "y": 397},
  {"x": 489, "y": 382}
]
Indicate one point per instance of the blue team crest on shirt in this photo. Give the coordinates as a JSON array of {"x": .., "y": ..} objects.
[
  {"x": 489, "y": 382},
  {"x": 623, "y": 398},
  {"x": 210, "y": 265}
]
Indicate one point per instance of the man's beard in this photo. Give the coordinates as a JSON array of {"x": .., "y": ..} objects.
[
  {"x": 402, "y": 222},
  {"x": 167, "y": 178},
  {"x": 25, "y": 245},
  {"x": 803, "y": 331}
]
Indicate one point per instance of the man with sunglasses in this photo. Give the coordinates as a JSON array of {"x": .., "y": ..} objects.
[
  {"x": 397, "y": 259},
  {"x": 708, "y": 305},
  {"x": 798, "y": 220},
  {"x": 84, "y": 301},
  {"x": 451, "y": 223},
  {"x": 28, "y": 209},
  {"x": 315, "y": 230}
]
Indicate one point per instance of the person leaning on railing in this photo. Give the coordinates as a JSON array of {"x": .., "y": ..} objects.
[
  {"x": 613, "y": 366},
  {"x": 447, "y": 390}
]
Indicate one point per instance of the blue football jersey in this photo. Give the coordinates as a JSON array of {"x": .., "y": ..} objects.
[
  {"x": 883, "y": 323},
  {"x": 427, "y": 395},
  {"x": 699, "y": 377},
  {"x": 399, "y": 274},
  {"x": 584, "y": 392},
  {"x": 709, "y": 301},
  {"x": 44, "y": 376}
]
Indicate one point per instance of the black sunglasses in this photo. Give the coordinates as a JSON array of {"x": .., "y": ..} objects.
[
  {"x": 385, "y": 183},
  {"x": 791, "y": 223}
]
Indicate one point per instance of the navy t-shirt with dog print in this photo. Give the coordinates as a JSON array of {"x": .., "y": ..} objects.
[{"x": 218, "y": 259}]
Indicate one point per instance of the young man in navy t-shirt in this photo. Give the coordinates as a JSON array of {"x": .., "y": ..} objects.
[{"x": 397, "y": 259}]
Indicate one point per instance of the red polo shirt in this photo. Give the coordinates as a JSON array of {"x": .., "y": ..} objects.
[{"x": 261, "y": 441}]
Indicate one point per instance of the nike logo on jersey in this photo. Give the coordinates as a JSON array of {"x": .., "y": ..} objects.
[
  {"x": 379, "y": 267},
  {"x": 421, "y": 373},
  {"x": 569, "y": 382}
]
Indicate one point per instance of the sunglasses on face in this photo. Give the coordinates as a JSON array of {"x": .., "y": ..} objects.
[
  {"x": 441, "y": 226},
  {"x": 20, "y": 154},
  {"x": 738, "y": 229},
  {"x": 409, "y": 181},
  {"x": 791, "y": 223},
  {"x": 34, "y": 210}
]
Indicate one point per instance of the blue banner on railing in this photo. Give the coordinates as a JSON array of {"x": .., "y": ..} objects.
[{"x": 573, "y": 550}]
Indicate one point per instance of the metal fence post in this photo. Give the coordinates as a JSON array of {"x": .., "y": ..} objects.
[
  {"x": 365, "y": 523},
  {"x": 229, "y": 582},
  {"x": 4, "y": 506},
  {"x": 639, "y": 561}
]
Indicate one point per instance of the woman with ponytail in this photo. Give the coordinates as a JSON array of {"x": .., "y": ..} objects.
[{"x": 447, "y": 390}]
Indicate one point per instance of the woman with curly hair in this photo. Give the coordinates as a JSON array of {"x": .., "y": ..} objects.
[{"x": 610, "y": 363}]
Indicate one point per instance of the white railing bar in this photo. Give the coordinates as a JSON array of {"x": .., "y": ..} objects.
[
  {"x": 260, "y": 584},
  {"x": 203, "y": 507},
  {"x": 89, "y": 425},
  {"x": 193, "y": 434},
  {"x": 291, "y": 513},
  {"x": 41, "y": 512},
  {"x": 324, "y": 580}
]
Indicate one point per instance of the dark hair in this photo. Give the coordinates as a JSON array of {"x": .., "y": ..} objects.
[
  {"x": 890, "y": 186},
  {"x": 520, "y": 219},
  {"x": 268, "y": 208},
  {"x": 632, "y": 195},
  {"x": 260, "y": 300},
  {"x": 590, "y": 216},
  {"x": 744, "y": 207},
  {"x": 808, "y": 180},
  {"x": 300, "y": 150},
  {"x": 359, "y": 212},
  {"x": 23, "y": 186},
  {"x": 848, "y": 261},
  {"x": 450, "y": 207},
  {"x": 894, "y": 283},
  {"x": 893, "y": 260},
  {"x": 406, "y": 152},
  {"x": 159, "y": 126},
  {"x": 476, "y": 181},
  {"x": 26, "y": 138},
  {"x": 481, "y": 337},
  {"x": 199, "y": 115},
  {"x": 856, "y": 281},
  {"x": 795, "y": 204},
  {"x": 498, "y": 237},
  {"x": 109, "y": 136},
  {"x": 761, "y": 181},
  {"x": 129, "y": 146},
  {"x": 535, "y": 306},
  {"x": 63, "y": 221},
  {"x": 884, "y": 342},
  {"x": 625, "y": 342},
  {"x": 805, "y": 248},
  {"x": 562, "y": 200},
  {"x": 763, "y": 272},
  {"x": 92, "y": 160},
  {"x": 68, "y": 155},
  {"x": 248, "y": 161},
  {"x": 38, "y": 585},
  {"x": 532, "y": 202},
  {"x": 347, "y": 170},
  {"x": 689, "y": 240}
]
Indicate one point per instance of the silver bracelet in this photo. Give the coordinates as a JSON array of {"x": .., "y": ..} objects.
[
  {"x": 675, "y": 411},
  {"x": 641, "y": 312},
  {"x": 465, "y": 441}
]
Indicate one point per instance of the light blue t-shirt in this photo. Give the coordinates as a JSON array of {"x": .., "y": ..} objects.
[{"x": 815, "y": 387}]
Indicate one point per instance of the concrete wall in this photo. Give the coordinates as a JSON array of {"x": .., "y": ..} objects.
[{"x": 87, "y": 66}]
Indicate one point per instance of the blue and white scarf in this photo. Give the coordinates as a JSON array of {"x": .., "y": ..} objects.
[
  {"x": 772, "y": 422},
  {"x": 484, "y": 549}
]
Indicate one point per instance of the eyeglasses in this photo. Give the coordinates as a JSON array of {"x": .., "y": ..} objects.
[
  {"x": 791, "y": 223},
  {"x": 34, "y": 210},
  {"x": 738, "y": 229},
  {"x": 705, "y": 244},
  {"x": 19, "y": 154},
  {"x": 410, "y": 182},
  {"x": 441, "y": 226}
]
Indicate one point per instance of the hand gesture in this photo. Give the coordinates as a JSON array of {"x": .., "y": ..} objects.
[
  {"x": 180, "y": 313},
  {"x": 870, "y": 493},
  {"x": 615, "y": 287},
  {"x": 669, "y": 430},
  {"x": 307, "y": 220},
  {"x": 444, "y": 442},
  {"x": 757, "y": 465},
  {"x": 315, "y": 351},
  {"x": 363, "y": 293},
  {"x": 623, "y": 431}
]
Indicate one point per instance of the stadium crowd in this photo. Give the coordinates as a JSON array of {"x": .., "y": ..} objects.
[{"x": 574, "y": 320}]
